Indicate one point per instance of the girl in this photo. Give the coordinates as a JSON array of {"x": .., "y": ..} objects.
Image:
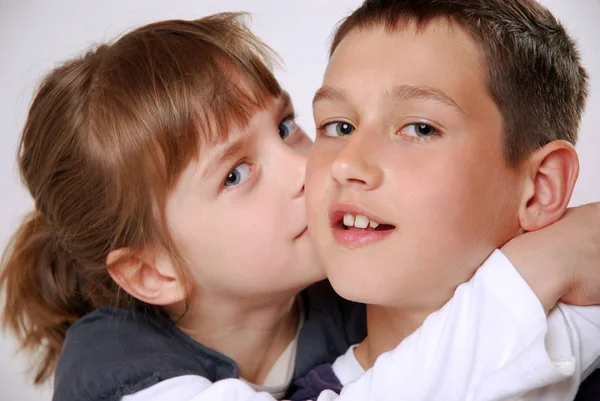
[
  {"x": 169, "y": 240},
  {"x": 111, "y": 155}
]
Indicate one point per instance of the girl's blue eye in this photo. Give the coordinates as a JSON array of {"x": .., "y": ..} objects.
[
  {"x": 286, "y": 128},
  {"x": 418, "y": 130},
  {"x": 238, "y": 175},
  {"x": 338, "y": 128}
]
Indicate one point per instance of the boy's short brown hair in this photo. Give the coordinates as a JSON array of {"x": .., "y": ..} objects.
[{"x": 534, "y": 70}]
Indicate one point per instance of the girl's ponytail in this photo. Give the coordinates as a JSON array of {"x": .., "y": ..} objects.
[
  {"x": 38, "y": 275},
  {"x": 40, "y": 285}
]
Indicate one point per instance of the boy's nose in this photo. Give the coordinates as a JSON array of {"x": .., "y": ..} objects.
[{"x": 356, "y": 166}]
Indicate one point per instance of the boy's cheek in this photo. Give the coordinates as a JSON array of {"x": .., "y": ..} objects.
[{"x": 317, "y": 171}]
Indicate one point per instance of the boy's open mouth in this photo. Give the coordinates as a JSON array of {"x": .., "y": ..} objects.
[
  {"x": 356, "y": 219},
  {"x": 359, "y": 222},
  {"x": 353, "y": 227}
]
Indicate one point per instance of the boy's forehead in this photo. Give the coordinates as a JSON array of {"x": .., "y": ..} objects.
[
  {"x": 434, "y": 73},
  {"x": 436, "y": 34},
  {"x": 439, "y": 55}
]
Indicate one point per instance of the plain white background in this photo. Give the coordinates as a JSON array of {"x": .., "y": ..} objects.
[{"x": 35, "y": 35}]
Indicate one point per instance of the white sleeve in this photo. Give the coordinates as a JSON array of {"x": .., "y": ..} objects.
[
  {"x": 486, "y": 343},
  {"x": 573, "y": 341},
  {"x": 198, "y": 388}
]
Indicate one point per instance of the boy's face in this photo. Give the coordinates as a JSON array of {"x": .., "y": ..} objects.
[
  {"x": 409, "y": 137},
  {"x": 239, "y": 214}
]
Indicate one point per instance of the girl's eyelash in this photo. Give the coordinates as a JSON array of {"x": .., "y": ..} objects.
[
  {"x": 290, "y": 116},
  {"x": 225, "y": 188}
]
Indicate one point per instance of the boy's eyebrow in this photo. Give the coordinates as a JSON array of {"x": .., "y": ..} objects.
[
  {"x": 411, "y": 92},
  {"x": 229, "y": 150},
  {"x": 327, "y": 92},
  {"x": 400, "y": 92}
]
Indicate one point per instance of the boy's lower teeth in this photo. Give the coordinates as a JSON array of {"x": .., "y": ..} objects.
[
  {"x": 379, "y": 228},
  {"x": 359, "y": 229}
]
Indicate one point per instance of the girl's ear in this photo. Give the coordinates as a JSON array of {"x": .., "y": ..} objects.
[{"x": 147, "y": 275}]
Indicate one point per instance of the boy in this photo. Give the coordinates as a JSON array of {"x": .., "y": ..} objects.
[
  {"x": 444, "y": 131},
  {"x": 530, "y": 320}
]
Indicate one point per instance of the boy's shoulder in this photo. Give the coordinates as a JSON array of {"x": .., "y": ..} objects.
[{"x": 113, "y": 352}]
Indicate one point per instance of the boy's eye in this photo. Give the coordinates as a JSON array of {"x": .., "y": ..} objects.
[
  {"x": 418, "y": 130},
  {"x": 338, "y": 128},
  {"x": 286, "y": 128},
  {"x": 238, "y": 175}
]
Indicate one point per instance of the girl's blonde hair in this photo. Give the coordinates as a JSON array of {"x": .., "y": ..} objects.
[{"x": 106, "y": 138}]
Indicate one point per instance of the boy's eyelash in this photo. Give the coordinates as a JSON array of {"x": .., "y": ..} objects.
[
  {"x": 326, "y": 123},
  {"x": 436, "y": 134},
  {"x": 321, "y": 128}
]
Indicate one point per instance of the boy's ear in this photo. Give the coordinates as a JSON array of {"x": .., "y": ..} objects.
[
  {"x": 147, "y": 275},
  {"x": 550, "y": 174}
]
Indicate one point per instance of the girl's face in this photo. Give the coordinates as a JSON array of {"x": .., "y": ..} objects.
[{"x": 238, "y": 214}]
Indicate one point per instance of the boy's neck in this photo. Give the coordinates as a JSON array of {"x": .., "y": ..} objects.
[
  {"x": 387, "y": 327},
  {"x": 253, "y": 335}
]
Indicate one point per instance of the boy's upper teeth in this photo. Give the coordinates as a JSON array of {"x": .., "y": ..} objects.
[{"x": 359, "y": 221}]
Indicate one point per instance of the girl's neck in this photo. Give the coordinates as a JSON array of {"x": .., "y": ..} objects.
[{"x": 254, "y": 335}]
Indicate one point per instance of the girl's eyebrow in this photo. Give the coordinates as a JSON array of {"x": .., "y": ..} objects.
[
  {"x": 227, "y": 151},
  {"x": 224, "y": 152},
  {"x": 286, "y": 100}
]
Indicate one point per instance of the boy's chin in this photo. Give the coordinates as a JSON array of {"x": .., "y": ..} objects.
[{"x": 354, "y": 287}]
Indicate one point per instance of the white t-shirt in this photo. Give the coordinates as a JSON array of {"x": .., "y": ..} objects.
[
  {"x": 559, "y": 347},
  {"x": 491, "y": 341}
]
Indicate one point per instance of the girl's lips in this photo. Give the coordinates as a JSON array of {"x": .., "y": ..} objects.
[{"x": 302, "y": 234}]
